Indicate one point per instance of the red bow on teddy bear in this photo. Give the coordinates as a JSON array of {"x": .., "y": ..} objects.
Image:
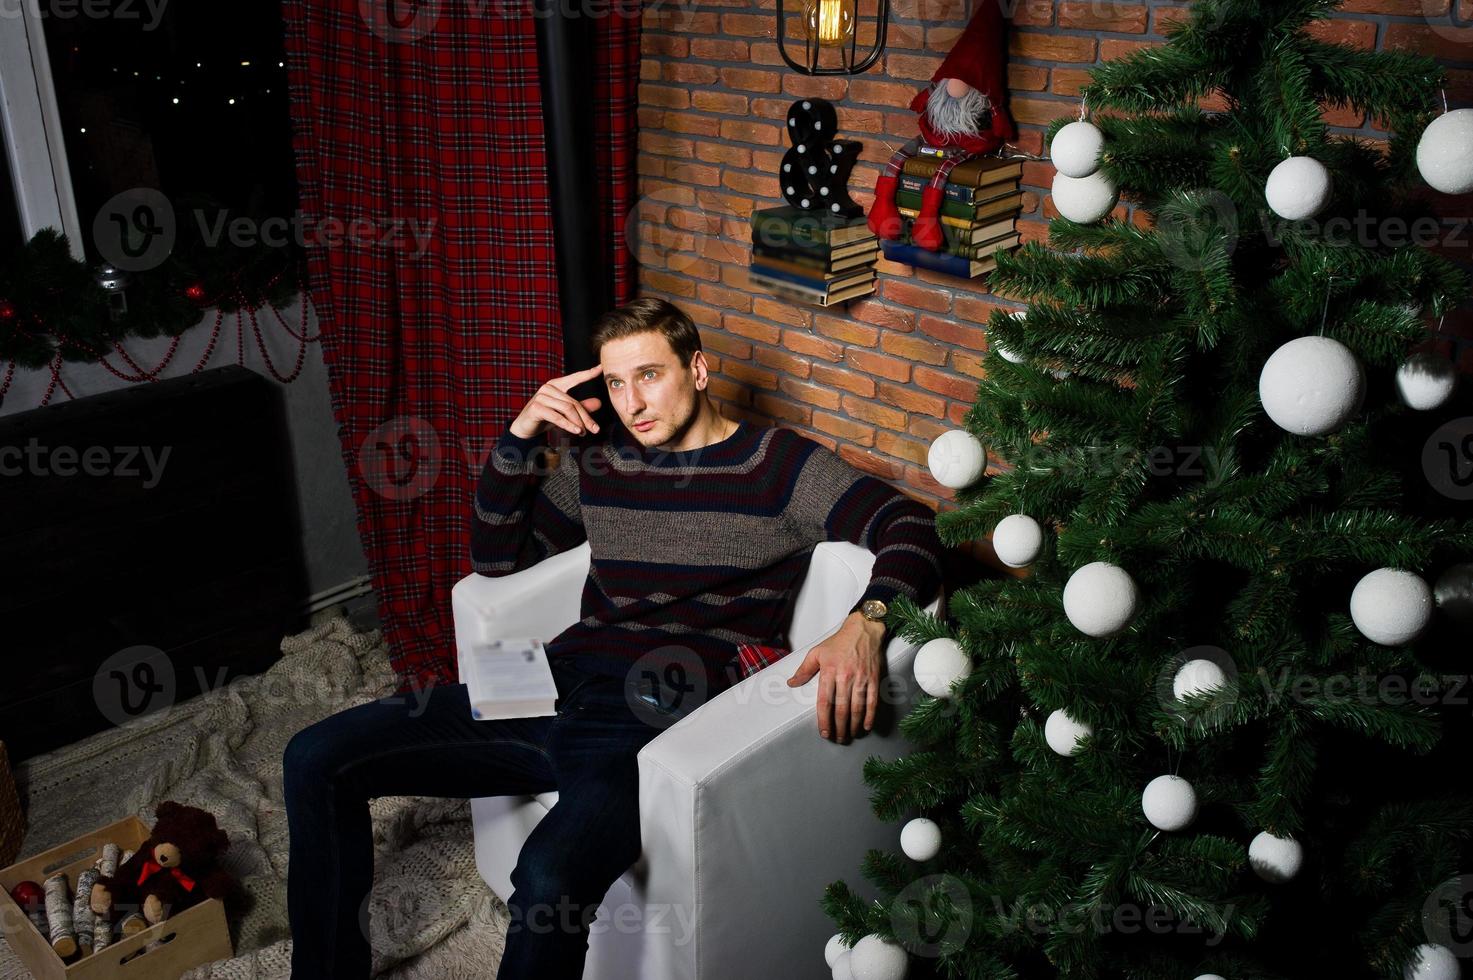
[{"x": 151, "y": 868}]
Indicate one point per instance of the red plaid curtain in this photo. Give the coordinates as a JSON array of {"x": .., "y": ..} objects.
[{"x": 422, "y": 174}]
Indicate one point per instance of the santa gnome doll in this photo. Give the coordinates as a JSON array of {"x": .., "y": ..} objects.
[{"x": 963, "y": 113}]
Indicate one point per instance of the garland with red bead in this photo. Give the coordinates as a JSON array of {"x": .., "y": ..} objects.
[{"x": 52, "y": 308}]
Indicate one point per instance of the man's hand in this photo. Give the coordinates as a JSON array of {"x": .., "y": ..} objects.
[
  {"x": 848, "y": 664},
  {"x": 552, "y": 405}
]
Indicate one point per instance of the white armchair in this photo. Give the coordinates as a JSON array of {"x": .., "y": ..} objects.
[{"x": 746, "y": 813}]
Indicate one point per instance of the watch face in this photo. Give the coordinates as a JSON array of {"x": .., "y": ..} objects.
[{"x": 874, "y": 609}]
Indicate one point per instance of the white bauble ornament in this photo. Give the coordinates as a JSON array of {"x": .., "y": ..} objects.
[
  {"x": 833, "y": 949},
  {"x": 1002, "y": 351},
  {"x": 1084, "y": 200},
  {"x": 1063, "y": 733},
  {"x": 1454, "y": 594},
  {"x": 1445, "y": 152},
  {"x": 1433, "y": 962},
  {"x": 1017, "y": 539},
  {"x": 1298, "y": 188},
  {"x": 1426, "y": 380},
  {"x": 1391, "y": 606},
  {"x": 938, "y": 664},
  {"x": 1169, "y": 802},
  {"x": 1077, "y": 148},
  {"x": 1200, "y": 676},
  {"x": 1100, "y": 598},
  {"x": 1275, "y": 859},
  {"x": 1210, "y": 976},
  {"x": 843, "y": 968},
  {"x": 875, "y": 958},
  {"x": 956, "y": 459},
  {"x": 920, "y": 839},
  {"x": 1311, "y": 386}
]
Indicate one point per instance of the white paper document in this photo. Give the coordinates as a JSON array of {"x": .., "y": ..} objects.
[{"x": 509, "y": 678}]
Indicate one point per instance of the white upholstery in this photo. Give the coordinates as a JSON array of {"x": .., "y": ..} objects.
[{"x": 746, "y": 813}]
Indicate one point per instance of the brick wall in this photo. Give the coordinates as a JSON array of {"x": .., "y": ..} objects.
[{"x": 877, "y": 380}]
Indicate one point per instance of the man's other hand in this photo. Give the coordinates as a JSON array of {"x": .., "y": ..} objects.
[{"x": 848, "y": 667}]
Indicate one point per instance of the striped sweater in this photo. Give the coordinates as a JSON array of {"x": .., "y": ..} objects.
[{"x": 698, "y": 555}]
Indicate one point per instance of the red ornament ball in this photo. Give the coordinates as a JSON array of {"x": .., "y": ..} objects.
[
  {"x": 29, "y": 895},
  {"x": 7, "y": 310},
  {"x": 196, "y": 292}
]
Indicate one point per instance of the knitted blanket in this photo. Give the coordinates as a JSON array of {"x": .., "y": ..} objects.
[{"x": 431, "y": 914}]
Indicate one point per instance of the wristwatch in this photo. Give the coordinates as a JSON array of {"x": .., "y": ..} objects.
[{"x": 873, "y": 610}]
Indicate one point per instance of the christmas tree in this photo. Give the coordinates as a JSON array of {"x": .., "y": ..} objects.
[{"x": 1213, "y": 727}]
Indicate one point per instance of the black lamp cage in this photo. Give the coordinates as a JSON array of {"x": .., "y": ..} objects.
[{"x": 847, "y": 51}]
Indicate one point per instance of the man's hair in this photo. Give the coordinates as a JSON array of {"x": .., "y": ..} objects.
[{"x": 644, "y": 315}]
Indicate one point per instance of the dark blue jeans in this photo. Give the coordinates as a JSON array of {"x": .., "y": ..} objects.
[{"x": 425, "y": 743}]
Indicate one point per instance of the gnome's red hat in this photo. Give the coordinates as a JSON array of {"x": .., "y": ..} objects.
[{"x": 977, "y": 59}]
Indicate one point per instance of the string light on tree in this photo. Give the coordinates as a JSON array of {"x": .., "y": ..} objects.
[
  {"x": 1063, "y": 733},
  {"x": 1275, "y": 859},
  {"x": 920, "y": 839},
  {"x": 1311, "y": 386},
  {"x": 1298, "y": 188},
  {"x": 939, "y": 664},
  {"x": 1169, "y": 803},
  {"x": 1017, "y": 539},
  {"x": 1100, "y": 598},
  {"x": 1391, "y": 606},
  {"x": 1445, "y": 152}
]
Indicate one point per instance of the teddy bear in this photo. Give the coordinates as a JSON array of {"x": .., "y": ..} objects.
[{"x": 171, "y": 871}]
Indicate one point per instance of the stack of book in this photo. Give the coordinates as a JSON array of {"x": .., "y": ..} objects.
[
  {"x": 979, "y": 213},
  {"x": 812, "y": 256}
]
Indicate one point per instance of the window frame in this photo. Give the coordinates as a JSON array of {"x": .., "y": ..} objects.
[{"x": 33, "y": 139}]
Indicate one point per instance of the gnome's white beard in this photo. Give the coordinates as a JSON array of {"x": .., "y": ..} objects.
[{"x": 954, "y": 116}]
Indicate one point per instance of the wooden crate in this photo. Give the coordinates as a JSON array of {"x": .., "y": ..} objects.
[
  {"x": 196, "y": 935},
  {"x": 12, "y": 818}
]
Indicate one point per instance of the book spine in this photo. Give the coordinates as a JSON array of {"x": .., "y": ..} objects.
[
  {"x": 967, "y": 212},
  {"x": 922, "y": 259},
  {"x": 973, "y": 173},
  {"x": 953, "y": 192}
]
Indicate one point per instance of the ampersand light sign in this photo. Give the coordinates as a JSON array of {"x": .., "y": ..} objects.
[{"x": 815, "y": 170}]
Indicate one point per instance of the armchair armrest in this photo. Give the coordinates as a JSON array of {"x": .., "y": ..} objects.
[
  {"x": 747, "y": 813},
  {"x": 540, "y": 601}
]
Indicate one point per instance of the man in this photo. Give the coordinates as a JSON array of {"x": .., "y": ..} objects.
[{"x": 701, "y": 530}]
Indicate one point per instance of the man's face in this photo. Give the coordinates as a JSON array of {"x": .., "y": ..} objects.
[{"x": 647, "y": 384}]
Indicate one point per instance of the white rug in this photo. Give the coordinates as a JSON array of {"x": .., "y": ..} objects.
[{"x": 432, "y": 915}]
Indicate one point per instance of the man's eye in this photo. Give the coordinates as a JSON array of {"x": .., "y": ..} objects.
[{"x": 648, "y": 373}]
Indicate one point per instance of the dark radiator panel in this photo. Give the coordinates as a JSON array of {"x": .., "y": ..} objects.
[{"x": 188, "y": 559}]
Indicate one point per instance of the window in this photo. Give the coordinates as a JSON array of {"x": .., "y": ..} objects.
[{"x": 185, "y": 98}]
